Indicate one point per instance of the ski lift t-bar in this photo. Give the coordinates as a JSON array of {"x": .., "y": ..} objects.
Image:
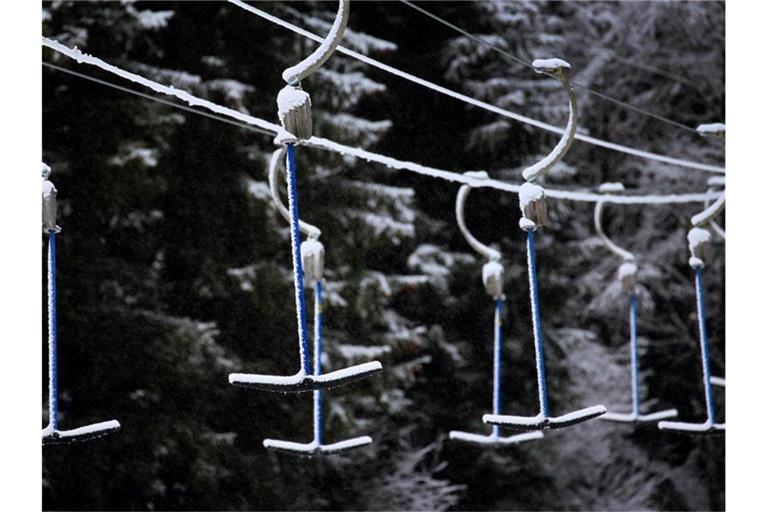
[
  {"x": 698, "y": 244},
  {"x": 534, "y": 215},
  {"x": 51, "y": 434},
  {"x": 312, "y": 260},
  {"x": 627, "y": 275},
  {"x": 493, "y": 280},
  {"x": 294, "y": 112}
]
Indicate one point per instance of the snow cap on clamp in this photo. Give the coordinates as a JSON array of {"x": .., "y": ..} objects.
[
  {"x": 313, "y": 260},
  {"x": 714, "y": 129},
  {"x": 557, "y": 67},
  {"x": 50, "y": 206},
  {"x": 627, "y": 275},
  {"x": 533, "y": 205},
  {"x": 493, "y": 279},
  {"x": 698, "y": 244},
  {"x": 294, "y": 109}
]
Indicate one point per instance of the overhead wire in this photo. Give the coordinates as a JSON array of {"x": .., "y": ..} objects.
[
  {"x": 263, "y": 126},
  {"x": 481, "y": 104},
  {"x": 575, "y": 84}
]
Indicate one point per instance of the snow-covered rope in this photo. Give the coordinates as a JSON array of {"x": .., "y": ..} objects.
[
  {"x": 253, "y": 122},
  {"x": 634, "y": 354},
  {"x": 481, "y": 104},
  {"x": 298, "y": 270},
  {"x": 704, "y": 341},
  {"x": 53, "y": 390},
  {"x": 318, "y": 360},
  {"x": 497, "y": 344},
  {"x": 538, "y": 335}
]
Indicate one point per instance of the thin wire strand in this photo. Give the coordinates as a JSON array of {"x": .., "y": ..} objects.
[
  {"x": 517, "y": 59},
  {"x": 156, "y": 99},
  {"x": 263, "y": 126},
  {"x": 481, "y": 104}
]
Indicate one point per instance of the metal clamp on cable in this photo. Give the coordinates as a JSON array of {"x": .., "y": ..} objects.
[{"x": 49, "y": 203}]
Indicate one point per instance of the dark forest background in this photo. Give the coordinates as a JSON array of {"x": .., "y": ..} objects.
[{"x": 175, "y": 268}]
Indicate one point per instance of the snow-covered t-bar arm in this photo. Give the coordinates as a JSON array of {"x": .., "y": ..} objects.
[
  {"x": 481, "y": 104},
  {"x": 369, "y": 156}
]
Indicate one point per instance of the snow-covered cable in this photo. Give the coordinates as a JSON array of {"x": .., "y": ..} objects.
[
  {"x": 158, "y": 100},
  {"x": 255, "y": 123},
  {"x": 481, "y": 104},
  {"x": 194, "y": 101}
]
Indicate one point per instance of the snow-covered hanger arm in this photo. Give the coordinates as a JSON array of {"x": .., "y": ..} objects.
[
  {"x": 717, "y": 181},
  {"x": 295, "y": 74},
  {"x": 713, "y": 210},
  {"x": 493, "y": 272},
  {"x": 610, "y": 188},
  {"x": 461, "y": 199},
  {"x": 278, "y": 156},
  {"x": 559, "y": 69}
]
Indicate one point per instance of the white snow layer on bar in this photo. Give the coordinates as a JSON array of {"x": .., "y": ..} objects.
[
  {"x": 576, "y": 415},
  {"x": 530, "y": 421},
  {"x": 368, "y": 156},
  {"x": 717, "y": 381},
  {"x": 291, "y": 446},
  {"x": 491, "y": 439},
  {"x": 626, "y": 270},
  {"x": 278, "y": 380},
  {"x": 606, "y": 188},
  {"x": 481, "y": 104},
  {"x": 691, "y": 427},
  {"x": 659, "y": 415},
  {"x": 550, "y": 64},
  {"x": 346, "y": 445},
  {"x": 314, "y": 446},
  {"x": 711, "y": 128},
  {"x": 88, "y": 429},
  {"x": 345, "y": 373},
  {"x": 290, "y": 98},
  {"x": 696, "y": 237}
]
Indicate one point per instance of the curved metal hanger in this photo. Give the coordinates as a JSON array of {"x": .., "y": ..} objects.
[
  {"x": 295, "y": 74},
  {"x": 713, "y": 210},
  {"x": 278, "y": 156},
  {"x": 461, "y": 199},
  {"x": 613, "y": 188},
  {"x": 559, "y": 68},
  {"x": 715, "y": 182}
]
